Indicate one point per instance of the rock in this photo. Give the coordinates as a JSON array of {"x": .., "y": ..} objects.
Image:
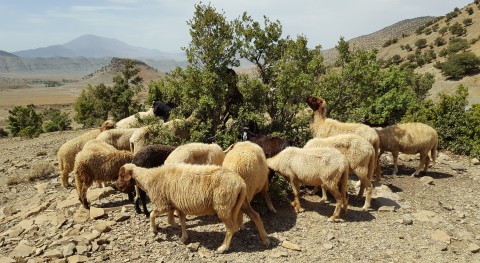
[
  {"x": 475, "y": 161},
  {"x": 77, "y": 259},
  {"x": 443, "y": 158},
  {"x": 474, "y": 248},
  {"x": 69, "y": 202},
  {"x": 122, "y": 217},
  {"x": 406, "y": 157},
  {"x": 440, "y": 235},
  {"x": 290, "y": 245},
  {"x": 54, "y": 253},
  {"x": 103, "y": 226},
  {"x": 330, "y": 237},
  {"x": 42, "y": 188},
  {"x": 37, "y": 210},
  {"x": 457, "y": 167},
  {"x": 96, "y": 213},
  {"x": 6, "y": 260},
  {"x": 81, "y": 250},
  {"x": 425, "y": 216},
  {"x": 193, "y": 247},
  {"x": 279, "y": 254},
  {"x": 22, "y": 250},
  {"x": 98, "y": 193},
  {"x": 426, "y": 180},
  {"x": 69, "y": 250},
  {"x": 327, "y": 246},
  {"x": 81, "y": 215},
  {"x": 89, "y": 237},
  {"x": 71, "y": 232},
  {"x": 386, "y": 209}
]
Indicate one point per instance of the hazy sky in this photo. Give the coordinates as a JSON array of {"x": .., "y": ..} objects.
[{"x": 161, "y": 24}]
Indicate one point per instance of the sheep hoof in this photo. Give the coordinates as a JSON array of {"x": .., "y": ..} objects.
[
  {"x": 184, "y": 239},
  {"x": 322, "y": 201},
  {"x": 365, "y": 208},
  {"x": 332, "y": 219},
  {"x": 266, "y": 242},
  {"x": 273, "y": 210},
  {"x": 221, "y": 249},
  {"x": 299, "y": 209},
  {"x": 413, "y": 175}
]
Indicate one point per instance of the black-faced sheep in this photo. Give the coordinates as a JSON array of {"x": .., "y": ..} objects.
[
  {"x": 149, "y": 156},
  {"x": 97, "y": 162},
  {"x": 196, "y": 190},
  {"x": 158, "y": 108},
  {"x": 322, "y": 127},
  {"x": 118, "y": 138},
  {"x": 67, "y": 152},
  {"x": 322, "y": 166},
  {"x": 360, "y": 156},
  {"x": 248, "y": 160},
  {"x": 271, "y": 145},
  {"x": 409, "y": 138}
]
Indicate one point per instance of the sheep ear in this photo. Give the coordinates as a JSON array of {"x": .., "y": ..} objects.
[{"x": 125, "y": 174}]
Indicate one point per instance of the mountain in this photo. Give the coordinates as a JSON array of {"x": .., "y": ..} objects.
[
  {"x": 6, "y": 54},
  {"x": 92, "y": 46}
]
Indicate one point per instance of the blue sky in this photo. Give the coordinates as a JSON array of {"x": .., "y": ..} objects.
[{"x": 161, "y": 24}]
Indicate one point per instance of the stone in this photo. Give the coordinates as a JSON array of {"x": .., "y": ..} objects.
[
  {"x": 330, "y": 237},
  {"x": 474, "y": 248},
  {"x": 37, "y": 210},
  {"x": 54, "y": 253},
  {"x": 71, "y": 232},
  {"x": 193, "y": 247},
  {"x": 69, "y": 250},
  {"x": 81, "y": 215},
  {"x": 96, "y": 213},
  {"x": 386, "y": 209},
  {"x": 77, "y": 259},
  {"x": 7, "y": 260},
  {"x": 89, "y": 237},
  {"x": 279, "y": 254},
  {"x": 424, "y": 216},
  {"x": 22, "y": 250},
  {"x": 81, "y": 250},
  {"x": 103, "y": 226},
  {"x": 290, "y": 245},
  {"x": 42, "y": 188},
  {"x": 457, "y": 167},
  {"x": 440, "y": 235},
  {"x": 426, "y": 180},
  {"x": 68, "y": 202},
  {"x": 475, "y": 161},
  {"x": 98, "y": 193},
  {"x": 327, "y": 246},
  {"x": 122, "y": 217}
]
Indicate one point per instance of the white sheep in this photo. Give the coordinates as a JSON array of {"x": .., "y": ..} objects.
[
  {"x": 322, "y": 127},
  {"x": 118, "y": 138},
  {"x": 322, "y": 166},
  {"x": 97, "y": 162},
  {"x": 197, "y": 153},
  {"x": 409, "y": 138},
  {"x": 195, "y": 190},
  {"x": 360, "y": 156},
  {"x": 248, "y": 160},
  {"x": 138, "y": 138},
  {"x": 67, "y": 152}
]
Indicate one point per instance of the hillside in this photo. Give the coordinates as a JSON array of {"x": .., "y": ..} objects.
[{"x": 430, "y": 34}]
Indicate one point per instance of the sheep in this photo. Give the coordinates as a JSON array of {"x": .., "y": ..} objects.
[
  {"x": 321, "y": 166},
  {"x": 248, "y": 160},
  {"x": 158, "y": 109},
  {"x": 197, "y": 153},
  {"x": 119, "y": 138},
  {"x": 67, "y": 152},
  {"x": 409, "y": 138},
  {"x": 138, "y": 138},
  {"x": 360, "y": 156},
  {"x": 99, "y": 162},
  {"x": 322, "y": 127},
  {"x": 196, "y": 190},
  {"x": 271, "y": 145},
  {"x": 148, "y": 157}
]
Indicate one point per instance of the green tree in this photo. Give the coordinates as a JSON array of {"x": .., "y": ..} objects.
[
  {"x": 467, "y": 21},
  {"x": 55, "y": 120},
  {"x": 440, "y": 41},
  {"x": 93, "y": 105},
  {"x": 421, "y": 43},
  {"x": 458, "y": 65},
  {"x": 457, "y": 29},
  {"x": 126, "y": 86},
  {"x": 25, "y": 121}
]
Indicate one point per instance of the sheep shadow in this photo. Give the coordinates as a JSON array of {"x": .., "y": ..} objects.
[
  {"x": 405, "y": 171},
  {"x": 327, "y": 210},
  {"x": 246, "y": 240}
]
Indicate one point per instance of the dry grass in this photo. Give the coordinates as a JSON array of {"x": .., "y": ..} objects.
[{"x": 39, "y": 171}]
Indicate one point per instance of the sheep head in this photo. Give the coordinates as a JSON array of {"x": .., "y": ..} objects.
[
  {"x": 317, "y": 105},
  {"x": 125, "y": 179},
  {"x": 107, "y": 125}
]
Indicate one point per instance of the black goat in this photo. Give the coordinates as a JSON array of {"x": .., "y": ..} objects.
[{"x": 161, "y": 109}]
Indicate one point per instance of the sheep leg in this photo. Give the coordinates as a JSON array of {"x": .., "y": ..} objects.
[
  {"x": 143, "y": 198},
  {"x": 395, "y": 162},
  {"x": 154, "y": 214},
  {"x": 266, "y": 196},
  {"x": 420, "y": 165},
  {"x": 240, "y": 220},
  {"x": 323, "y": 200},
  {"x": 258, "y": 222},
  {"x": 171, "y": 218},
  {"x": 367, "y": 184},
  {"x": 64, "y": 179},
  {"x": 427, "y": 163},
  {"x": 183, "y": 223},
  {"x": 231, "y": 228},
  {"x": 338, "y": 205},
  {"x": 296, "y": 201}
]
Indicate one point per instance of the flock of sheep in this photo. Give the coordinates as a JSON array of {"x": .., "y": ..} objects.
[{"x": 204, "y": 179}]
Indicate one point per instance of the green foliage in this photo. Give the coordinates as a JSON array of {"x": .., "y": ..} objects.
[
  {"x": 55, "y": 120},
  {"x": 92, "y": 106},
  {"x": 427, "y": 31},
  {"x": 24, "y": 121},
  {"x": 440, "y": 41},
  {"x": 389, "y": 42},
  {"x": 457, "y": 29},
  {"x": 408, "y": 47},
  {"x": 421, "y": 43},
  {"x": 420, "y": 30},
  {"x": 467, "y": 21},
  {"x": 451, "y": 15},
  {"x": 459, "y": 65},
  {"x": 443, "y": 30},
  {"x": 469, "y": 10}
]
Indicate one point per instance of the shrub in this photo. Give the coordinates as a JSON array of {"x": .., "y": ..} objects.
[
  {"x": 467, "y": 21},
  {"x": 440, "y": 41},
  {"x": 24, "y": 121},
  {"x": 408, "y": 47},
  {"x": 421, "y": 43},
  {"x": 457, "y": 29},
  {"x": 458, "y": 65},
  {"x": 420, "y": 30},
  {"x": 469, "y": 10},
  {"x": 3, "y": 133},
  {"x": 427, "y": 31},
  {"x": 54, "y": 120},
  {"x": 443, "y": 30},
  {"x": 40, "y": 170},
  {"x": 390, "y": 42}
]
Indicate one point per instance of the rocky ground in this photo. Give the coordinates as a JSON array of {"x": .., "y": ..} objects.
[{"x": 434, "y": 218}]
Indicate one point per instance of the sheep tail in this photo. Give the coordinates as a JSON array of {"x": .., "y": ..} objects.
[
  {"x": 344, "y": 189},
  {"x": 229, "y": 148},
  {"x": 372, "y": 163},
  {"x": 433, "y": 152},
  {"x": 242, "y": 198}
]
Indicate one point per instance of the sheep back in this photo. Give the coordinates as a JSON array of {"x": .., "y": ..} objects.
[
  {"x": 197, "y": 153},
  {"x": 119, "y": 138}
]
